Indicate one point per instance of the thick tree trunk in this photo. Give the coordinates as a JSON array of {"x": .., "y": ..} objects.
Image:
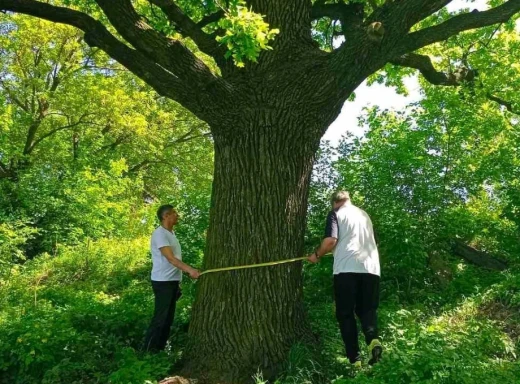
[{"x": 246, "y": 320}]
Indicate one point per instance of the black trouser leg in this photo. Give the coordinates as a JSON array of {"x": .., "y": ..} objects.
[
  {"x": 169, "y": 320},
  {"x": 367, "y": 302},
  {"x": 165, "y": 293},
  {"x": 345, "y": 289}
]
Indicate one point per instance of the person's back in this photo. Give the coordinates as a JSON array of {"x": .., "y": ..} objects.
[
  {"x": 350, "y": 234},
  {"x": 356, "y": 250}
]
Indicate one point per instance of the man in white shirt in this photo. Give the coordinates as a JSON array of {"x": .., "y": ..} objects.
[
  {"x": 350, "y": 234},
  {"x": 167, "y": 268}
]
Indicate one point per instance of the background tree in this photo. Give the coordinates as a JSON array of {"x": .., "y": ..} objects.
[
  {"x": 266, "y": 120},
  {"x": 426, "y": 172},
  {"x": 83, "y": 143}
]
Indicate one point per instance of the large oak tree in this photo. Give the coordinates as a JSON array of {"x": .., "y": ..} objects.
[{"x": 266, "y": 120}]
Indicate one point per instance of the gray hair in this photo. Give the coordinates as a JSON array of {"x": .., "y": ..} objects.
[{"x": 339, "y": 196}]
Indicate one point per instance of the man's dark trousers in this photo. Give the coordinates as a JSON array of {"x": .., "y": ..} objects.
[
  {"x": 159, "y": 331},
  {"x": 356, "y": 294}
]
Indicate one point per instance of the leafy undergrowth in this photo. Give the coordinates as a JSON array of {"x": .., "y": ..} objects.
[
  {"x": 466, "y": 333},
  {"x": 80, "y": 317}
]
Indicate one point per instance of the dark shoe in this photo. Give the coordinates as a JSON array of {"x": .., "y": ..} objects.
[{"x": 375, "y": 351}]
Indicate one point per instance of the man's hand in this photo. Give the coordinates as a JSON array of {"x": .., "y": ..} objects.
[
  {"x": 194, "y": 273},
  {"x": 327, "y": 245},
  {"x": 312, "y": 258}
]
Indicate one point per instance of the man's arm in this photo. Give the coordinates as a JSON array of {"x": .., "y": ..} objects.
[
  {"x": 330, "y": 240},
  {"x": 326, "y": 246},
  {"x": 168, "y": 253}
]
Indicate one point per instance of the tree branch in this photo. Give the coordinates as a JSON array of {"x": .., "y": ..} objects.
[
  {"x": 425, "y": 66},
  {"x": 96, "y": 35},
  {"x": 53, "y": 131},
  {"x": 169, "y": 53},
  {"x": 401, "y": 16},
  {"x": 507, "y": 104},
  {"x": 137, "y": 167},
  {"x": 459, "y": 24},
  {"x": 350, "y": 15},
  {"x": 145, "y": 163},
  {"x": 336, "y": 11},
  {"x": 31, "y": 133},
  {"x": 189, "y": 28},
  {"x": 187, "y": 137},
  {"x": 13, "y": 97},
  {"x": 395, "y": 45},
  {"x": 214, "y": 17},
  {"x": 120, "y": 140}
]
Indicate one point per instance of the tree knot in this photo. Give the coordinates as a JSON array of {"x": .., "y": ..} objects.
[{"x": 376, "y": 31}]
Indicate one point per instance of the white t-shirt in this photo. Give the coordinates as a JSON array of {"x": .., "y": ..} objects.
[
  {"x": 162, "y": 269},
  {"x": 356, "y": 249}
]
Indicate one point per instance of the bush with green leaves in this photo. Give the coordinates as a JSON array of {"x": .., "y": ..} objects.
[
  {"x": 442, "y": 340},
  {"x": 80, "y": 316}
]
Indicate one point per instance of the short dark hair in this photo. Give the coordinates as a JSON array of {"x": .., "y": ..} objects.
[{"x": 162, "y": 210}]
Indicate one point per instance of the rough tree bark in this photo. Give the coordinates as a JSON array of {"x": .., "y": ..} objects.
[
  {"x": 258, "y": 209},
  {"x": 266, "y": 120},
  {"x": 259, "y": 203}
]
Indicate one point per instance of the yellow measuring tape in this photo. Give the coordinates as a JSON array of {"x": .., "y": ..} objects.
[{"x": 255, "y": 265}]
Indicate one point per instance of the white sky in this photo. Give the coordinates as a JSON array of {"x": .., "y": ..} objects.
[{"x": 378, "y": 94}]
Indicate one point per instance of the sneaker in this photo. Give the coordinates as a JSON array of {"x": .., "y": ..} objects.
[{"x": 375, "y": 350}]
